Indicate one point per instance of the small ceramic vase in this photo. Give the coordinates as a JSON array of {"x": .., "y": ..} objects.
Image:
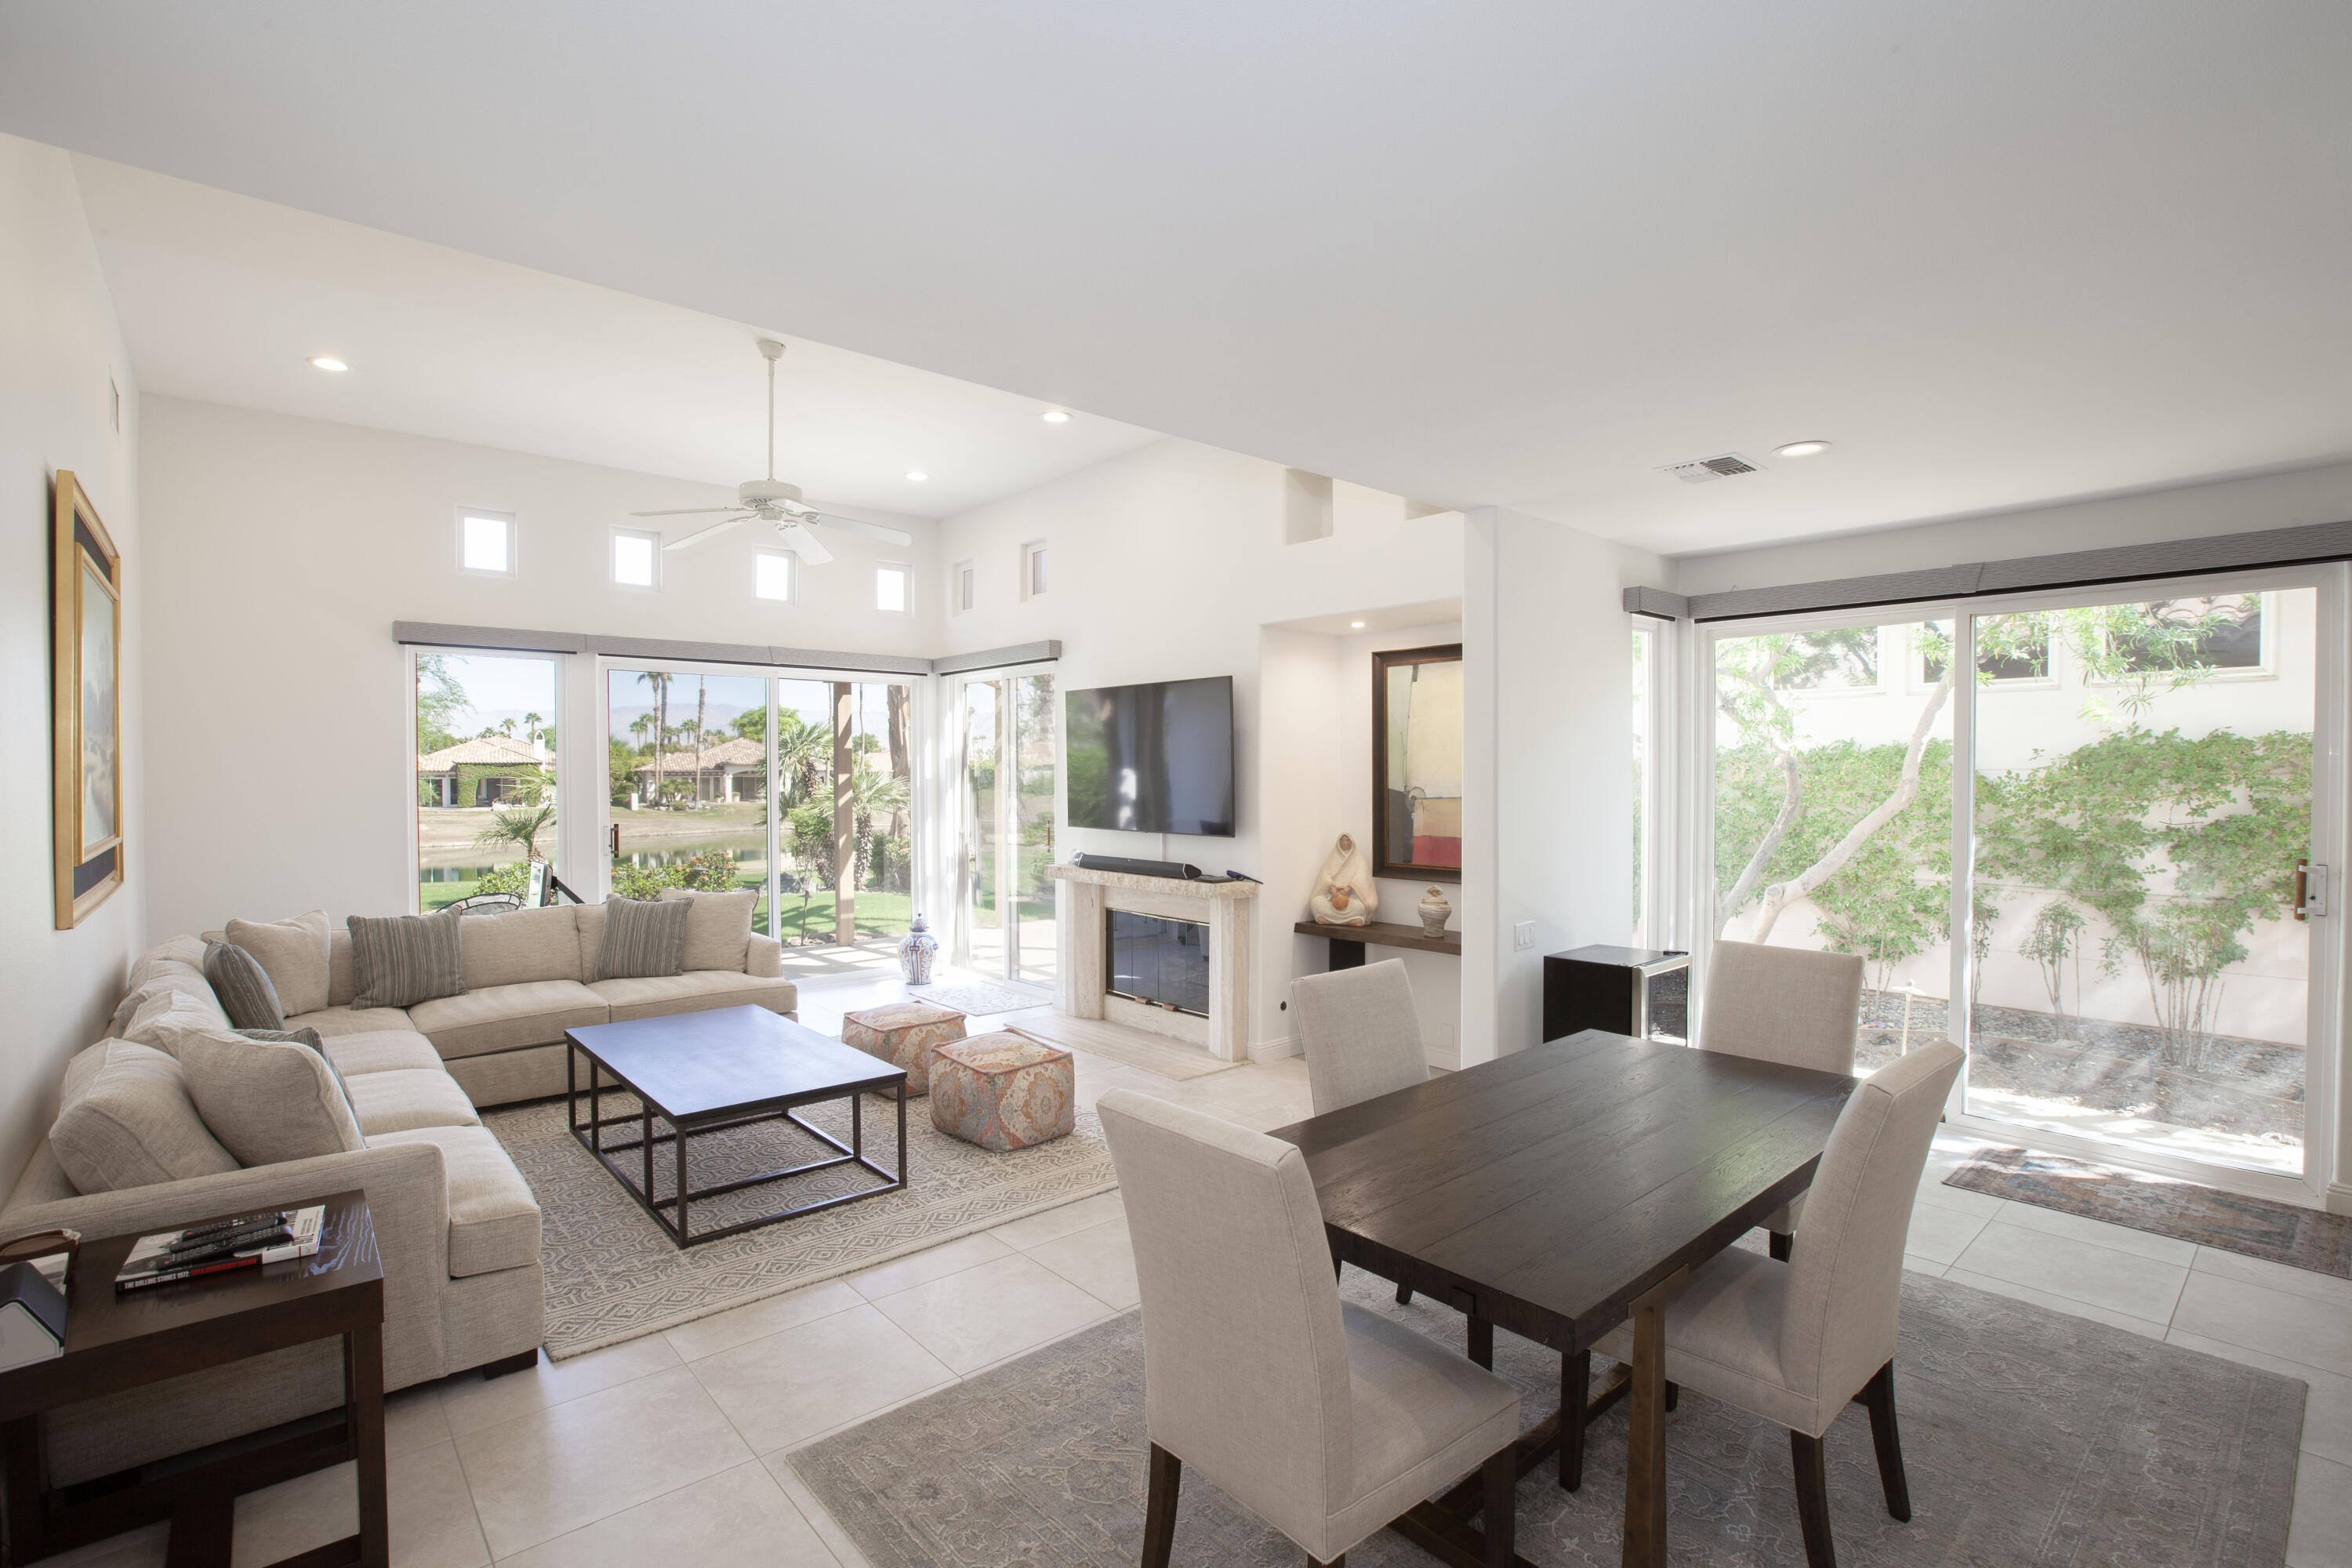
[
  {"x": 917, "y": 950},
  {"x": 1434, "y": 912}
]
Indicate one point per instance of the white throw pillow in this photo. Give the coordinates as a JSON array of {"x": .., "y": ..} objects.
[
  {"x": 717, "y": 928},
  {"x": 126, "y": 1120},
  {"x": 268, "y": 1102},
  {"x": 293, "y": 954},
  {"x": 167, "y": 1013}
]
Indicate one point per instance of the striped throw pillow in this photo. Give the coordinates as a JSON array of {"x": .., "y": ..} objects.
[
  {"x": 242, "y": 987},
  {"x": 643, "y": 939},
  {"x": 401, "y": 960}
]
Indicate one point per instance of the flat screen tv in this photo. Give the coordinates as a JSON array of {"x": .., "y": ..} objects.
[{"x": 1153, "y": 759}]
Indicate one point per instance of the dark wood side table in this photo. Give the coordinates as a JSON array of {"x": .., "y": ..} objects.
[
  {"x": 117, "y": 1342},
  {"x": 1348, "y": 941}
]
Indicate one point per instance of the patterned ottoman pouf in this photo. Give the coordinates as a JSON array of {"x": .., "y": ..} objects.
[
  {"x": 1003, "y": 1091},
  {"x": 904, "y": 1033}
]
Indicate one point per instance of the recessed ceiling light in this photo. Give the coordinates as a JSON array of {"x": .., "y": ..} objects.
[
  {"x": 1356, "y": 625},
  {"x": 1054, "y": 417},
  {"x": 916, "y": 476},
  {"x": 329, "y": 361},
  {"x": 1803, "y": 449}
]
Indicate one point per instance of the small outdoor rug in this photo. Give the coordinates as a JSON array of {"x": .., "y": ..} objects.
[
  {"x": 1120, "y": 1043},
  {"x": 2256, "y": 1227},
  {"x": 613, "y": 1274},
  {"x": 974, "y": 1001},
  {"x": 2029, "y": 1438}
]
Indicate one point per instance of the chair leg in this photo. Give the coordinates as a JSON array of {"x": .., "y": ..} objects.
[
  {"x": 1878, "y": 1394},
  {"x": 1575, "y": 1397},
  {"x": 1167, "y": 1474},
  {"x": 1813, "y": 1500},
  {"x": 1500, "y": 1516},
  {"x": 1674, "y": 1397},
  {"x": 1404, "y": 1295},
  {"x": 1780, "y": 1244},
  {"x": 1338, "y": 1269}
]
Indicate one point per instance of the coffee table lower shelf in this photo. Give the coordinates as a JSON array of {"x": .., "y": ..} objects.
[{"x": 684, "y": 1129}]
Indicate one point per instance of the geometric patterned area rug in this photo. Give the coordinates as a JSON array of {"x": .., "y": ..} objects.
[
  {"x": 612, "y": 1275},
  {"x": 2256, "y": 1227},
  {"x": 2028, "y": 1437}
]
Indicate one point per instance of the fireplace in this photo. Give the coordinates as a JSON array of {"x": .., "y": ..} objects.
[{"x": 1158, "y": 961}]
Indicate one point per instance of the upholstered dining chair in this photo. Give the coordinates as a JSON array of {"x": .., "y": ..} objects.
[
  {"x": 1325, "y": 1420},
  {"x": 1783, "y": 1004},
  {"x": 1797, "y": 1342},
  {"x": 1362, "y": 1037}
]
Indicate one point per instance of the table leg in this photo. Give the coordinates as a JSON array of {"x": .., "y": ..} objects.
[
  {"x": 202, "y": 1524},
  {"x": 364, "y": 1408},
  {"x": 902, "y": 1131},
  {"x": 1482, "y": 1342},
  {"x": 1645, "y": 1444},
  {"x": 1575, "y": 1393},
  {"x": 20, "y": 1461},
  {"x": 682, "y": 1232},
  {"x": 857, "y": 1127},
  {"x": 645, "y": 1139}
]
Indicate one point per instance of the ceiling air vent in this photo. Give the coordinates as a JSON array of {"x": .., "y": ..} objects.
[{"x": 1707, "y": 468}]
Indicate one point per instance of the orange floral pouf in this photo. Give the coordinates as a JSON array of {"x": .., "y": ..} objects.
[
  {"x": 904, "y": 1033},
  {"x": 1003, "y": 1091}
]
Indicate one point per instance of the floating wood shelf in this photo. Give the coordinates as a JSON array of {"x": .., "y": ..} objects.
[{"x": 1379, "y": 933}]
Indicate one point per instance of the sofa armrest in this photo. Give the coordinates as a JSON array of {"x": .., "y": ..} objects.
[
  {"x": 765, "y": 960},
  {"x": 408, "y": 1188}
]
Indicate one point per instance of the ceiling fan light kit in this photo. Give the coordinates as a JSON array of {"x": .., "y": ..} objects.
[{"x": 775, "y": 502}]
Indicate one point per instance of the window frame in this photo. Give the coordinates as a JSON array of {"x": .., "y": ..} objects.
[
  {"x": 613, "y": 559},
  {"x": 963, "y": 587},
  {"x": 792, "y": 594},
  {"x": 1037, "y": 569},
  {"x": 559, "y": 665},
  {"x": 906, "y": 571},
  {"x": 513, "y": 567}
]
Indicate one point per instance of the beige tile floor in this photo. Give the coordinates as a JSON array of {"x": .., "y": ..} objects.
[{"x": 673, "y": 1448}]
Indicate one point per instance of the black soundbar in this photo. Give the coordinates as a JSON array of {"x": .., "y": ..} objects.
[{"x": 1125, "y": 867}]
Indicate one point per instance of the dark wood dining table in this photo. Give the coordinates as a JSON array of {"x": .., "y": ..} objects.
[{"x": 1558, "y": 1193}]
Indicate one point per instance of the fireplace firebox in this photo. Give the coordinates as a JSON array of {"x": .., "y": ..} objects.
[{"x": 1162, "y": 962}]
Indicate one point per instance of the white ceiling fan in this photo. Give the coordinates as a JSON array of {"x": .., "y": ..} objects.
[{"x": 772, "y": 501}]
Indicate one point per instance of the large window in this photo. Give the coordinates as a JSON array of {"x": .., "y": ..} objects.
[
  {"x": 485, "y": 798},
  {"x": 1011, "y": 771},
  {"x": 2092, "y": 844},
  {"x": 847, "y": 827},
  {"x": 686, "y": 776}
]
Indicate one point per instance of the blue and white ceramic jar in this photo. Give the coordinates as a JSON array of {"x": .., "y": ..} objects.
[{"x": 917, "y": 950}]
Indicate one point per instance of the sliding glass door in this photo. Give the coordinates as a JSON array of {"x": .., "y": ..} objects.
[
  {"x": 1011, "y": 771},
  {"x": 486, "y": 763},
  {"x": 2082, "y": 815},
  {"x": 797, "y": 787}
]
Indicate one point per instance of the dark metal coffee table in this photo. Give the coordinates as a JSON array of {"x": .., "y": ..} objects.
[{"x": 708, "y": 1072}]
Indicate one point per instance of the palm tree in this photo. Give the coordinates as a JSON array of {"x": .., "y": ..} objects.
[
  {"x": 530, "y": 722},
  {"x": 519, "y": 828},
  {"x": 506, "y": 728},
  {"x": 871, "y": 791},
  {"x": 659, "y": 681},
  {"x": 701, "y": 708}
]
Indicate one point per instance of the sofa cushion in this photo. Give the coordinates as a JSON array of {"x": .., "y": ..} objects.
[
  {"x": 269, "y": 1102},
  {"x": 126, "y": 1120},
  {"x": 401, "y": 960},
  {"x": 294, "y": 951},
  {"x": 718, "y": 930},
  {"x": 643, "y": 938},
  {"x": 191, "y": 987},
  {"x": 521, "y": 946},
  {"x": 493, "y": 1219},
  {"x": 342, "y": 971},
  {"x": 505, "y": 1017},
  {"x": 242, "y": 987},
  {"x": 592, "y": 938},
  {"x": 657, "y": 996},
  {"x": 380, "y": 1050},
  {"x": 169, "y": 1014},
  {"x": 346, "y": 1020},
  {"x": 406, "y": 1099},
  {"x": 182, "y": 954}
]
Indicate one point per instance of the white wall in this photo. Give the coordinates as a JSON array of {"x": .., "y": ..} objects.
[
  {"x": 59, "y": 345},
  {"x": 1549, "y": 806},
  {"x": 2188, "y": 511},
  {"x": 1166, "y": 564},
  {"x": 279, "y": 710}
]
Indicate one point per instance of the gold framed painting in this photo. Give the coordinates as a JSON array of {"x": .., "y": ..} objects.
[
  {"x": 86, "y": 705},
  {"x": 1417, "y": 763}
]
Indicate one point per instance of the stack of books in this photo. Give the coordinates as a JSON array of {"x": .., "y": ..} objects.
[{"x": 247, "y": 1241}]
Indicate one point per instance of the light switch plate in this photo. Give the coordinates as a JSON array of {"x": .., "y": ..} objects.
[{"x": 1523, "y": 935}]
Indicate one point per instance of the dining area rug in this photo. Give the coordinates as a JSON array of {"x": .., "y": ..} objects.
[
  {"x": 2274, "y": 1232},
  {"x": 2029, "y": 1438},
  {"x": 612, "y": 1275}
]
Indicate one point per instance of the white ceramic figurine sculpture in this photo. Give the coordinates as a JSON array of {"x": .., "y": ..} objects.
[{"x": 1344, "y": 894}]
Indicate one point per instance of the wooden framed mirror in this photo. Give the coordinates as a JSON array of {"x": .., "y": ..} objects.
[{"x": 1417, "y": 763}]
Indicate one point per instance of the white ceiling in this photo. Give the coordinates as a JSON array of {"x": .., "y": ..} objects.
[
  {"x": 226, "y": 297},
  {"x": 2000, "y": 253}
]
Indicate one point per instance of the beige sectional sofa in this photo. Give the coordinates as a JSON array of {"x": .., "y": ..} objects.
[{"x": 457, "y": 1225}]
